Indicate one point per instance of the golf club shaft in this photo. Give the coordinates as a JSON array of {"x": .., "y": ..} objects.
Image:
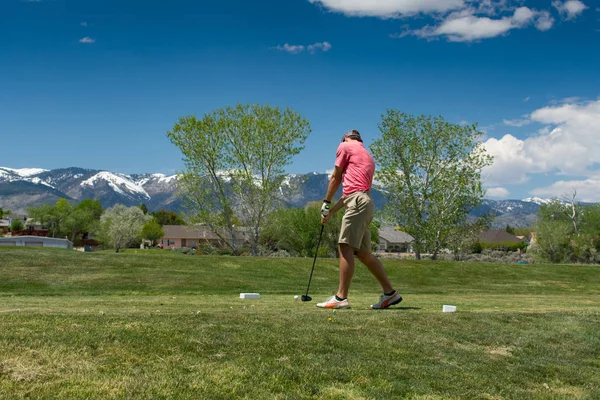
[{"x": 315, "y": 260}]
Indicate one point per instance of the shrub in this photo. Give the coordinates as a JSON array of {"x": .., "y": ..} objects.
[
  {"x": 506, "y": 246},
  {"x": 184, "y": 250},
  {"x": 477, "y": 248},
  {"x": 16, "y": 225},
  {"x": 279, "y": 253},
  {"x": 206, "y": 249}
]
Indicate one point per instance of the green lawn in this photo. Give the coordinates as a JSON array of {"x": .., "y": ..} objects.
[{"x": 158, "y": 325}]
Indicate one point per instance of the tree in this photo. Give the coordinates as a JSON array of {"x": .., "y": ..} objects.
[
  {"x": 234, "y": 165},
  {"x": 17, "y": 225},
  {"x": 297, "y": 230},
  {"x": 431, "y": 170},
  {"x": 1, "y": 213},
  {"x": 566, "y": 231},
  {"x": 509, "y": 229},
  {"x": 164, "y": 217},
  {"x": 152, "y": 231},
  {"x": 143, "y": 208},
  {"x": 84, "y": 218},
  {"x": 53, "y": 216},
  {"x": 121, "y": 226},
  {"x": 67, "y": 219}
]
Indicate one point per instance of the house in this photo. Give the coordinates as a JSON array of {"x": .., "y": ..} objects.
[
  {"x": 8, "y": 220},
  {"x": 500, "y": 238},
  {"x": 393, "y": 240},
  {"x": 177, "y": 236},
  {"x": 36, "y": 241}
]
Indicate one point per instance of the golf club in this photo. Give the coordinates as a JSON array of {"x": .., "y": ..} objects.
[{"x": 306, "y": 297}]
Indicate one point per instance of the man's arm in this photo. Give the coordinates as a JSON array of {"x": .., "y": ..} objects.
[{"x": 334, "y": 183}]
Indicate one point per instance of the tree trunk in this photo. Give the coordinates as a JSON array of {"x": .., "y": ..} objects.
[{"x": 417, "y": 254}]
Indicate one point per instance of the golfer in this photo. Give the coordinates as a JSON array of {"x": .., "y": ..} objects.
[{"x": 354, "y": 168}]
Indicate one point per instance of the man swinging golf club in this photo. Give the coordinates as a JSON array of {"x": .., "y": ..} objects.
[{"x": 354, "y": 169}]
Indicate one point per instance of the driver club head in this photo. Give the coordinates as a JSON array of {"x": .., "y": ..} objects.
[{"x": 306, "y": 297}]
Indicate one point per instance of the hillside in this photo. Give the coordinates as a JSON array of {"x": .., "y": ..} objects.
[{"x": 21, "y": 188}]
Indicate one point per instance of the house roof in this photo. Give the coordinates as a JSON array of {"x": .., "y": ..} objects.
[
  {"x": 393, "y": 235},
  {"x": 498, "y": 236}
]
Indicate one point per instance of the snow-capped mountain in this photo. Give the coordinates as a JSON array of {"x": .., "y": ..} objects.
[
  {"x": 21, "y": 188},
  {"x": 23, "y": 172},
  {"x": 537, "y": 200}
]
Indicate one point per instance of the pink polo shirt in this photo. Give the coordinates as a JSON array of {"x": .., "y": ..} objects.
[{"x": 358, "y": 166}]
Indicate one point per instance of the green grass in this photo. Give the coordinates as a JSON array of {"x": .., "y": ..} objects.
[{"x": 158, "y": 325}]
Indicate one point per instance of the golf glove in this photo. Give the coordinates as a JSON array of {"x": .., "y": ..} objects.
[{"x": 325, "y": 208}]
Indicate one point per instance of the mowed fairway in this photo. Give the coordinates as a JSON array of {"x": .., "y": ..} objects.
[{"x": 158, "y": 325}]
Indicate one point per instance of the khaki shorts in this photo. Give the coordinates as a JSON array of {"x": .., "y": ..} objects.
[{"x": 356, "y": 222}]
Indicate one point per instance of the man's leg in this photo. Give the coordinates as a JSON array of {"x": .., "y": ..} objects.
[
  {"x": 346, "y": 269},
  {"x": 376, "y": 268}
]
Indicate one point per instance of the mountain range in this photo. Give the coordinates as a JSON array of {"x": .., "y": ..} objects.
[{"x": 22, "y": 188}]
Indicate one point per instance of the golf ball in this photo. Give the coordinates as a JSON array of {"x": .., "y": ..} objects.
[{"x": 296, "y": 297}]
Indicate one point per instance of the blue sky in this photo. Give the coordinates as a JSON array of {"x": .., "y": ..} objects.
[{"x": 97, "y": 84}]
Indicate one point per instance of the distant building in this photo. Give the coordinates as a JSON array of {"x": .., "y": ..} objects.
[
  {"x": 499, "y": 237},
  {"x": 394, "y": 241},
  {"x": 36, "y": 241},
  {"x": 177, "y": 236},
  {"x": 8, "y": 220}
]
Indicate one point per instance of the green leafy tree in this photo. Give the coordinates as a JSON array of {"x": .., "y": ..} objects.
[
  {"x": 84, "y": 218},
  {"x": 525, "y": 231},
  {"x": 164, "y": 217},
  {"x": 152, "y": 231},
  {"x": 297, "y": 230},
  {"x": 144, "y": 208},
  {"x": 17, "y": 225},
  {"x": 509, "y": 229},
  {"x": 234, "y": 165},
  {"x": 121, "y": 226},
  {"x": 54, "y": 217},
  {"x": 1, "y": 213},
  {"x": 65, "y": 219},
  {"x": 431, "y": 170},
  {"x": 566, "y": 231}
]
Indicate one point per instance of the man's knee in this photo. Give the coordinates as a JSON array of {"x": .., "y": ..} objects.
[
  {"x": 346, "y": 249},
  {"x": 363, "y": 256}
]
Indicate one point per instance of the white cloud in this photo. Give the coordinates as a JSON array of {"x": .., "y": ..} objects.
[
  {"x": 526, "y": 99},
  {"x": 87, "y": 40},
  {"x": 457, "y": 20},
  {"x": 567, "y": 145},
  {"x": 293, "y": 49},
  {"x": 497, "y": 192},
  {"x": 588, "y": 190},
  {"x": 569, "y": 9},
  {"x": 544, "y": 21},
  {"x": 389, "y": 8},
  {"x": 466, "y": 26},
  {"x": 511, "y": 161},
  {"x": 517, "y": 122},
  {"x": 296, "y": 49},
  {"x": 84, "y": 24},
  {"x": 324, "y": 46}
]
